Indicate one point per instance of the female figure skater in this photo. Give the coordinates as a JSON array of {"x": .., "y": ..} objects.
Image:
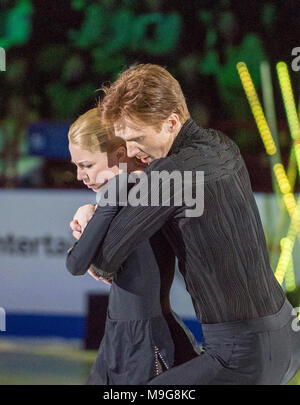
[{"x": 143, "y": 336}]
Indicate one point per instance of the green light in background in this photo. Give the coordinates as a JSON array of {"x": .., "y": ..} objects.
[
  {"x": 206, "y": 17},
  {"x": 285, "y": 259},
  {"x": 227, "y": 22},
  {"x": 121, "y": 29},
  {"x": 2, "y": 60},
  {"x": 91, "y": 31},
  {"x": 268, "y": 15},
  {"x": 166, "y": 31},
  {"x": 78, "y": 4},
  {"x": 256, "y": 109},
  {"x": 211, "y": 37},
  {"x": 290, "y": 107},
  {"x": 65, "y": 102},
  {"x": 290, "y": 283},
  {"x": 17, "y": 24}
]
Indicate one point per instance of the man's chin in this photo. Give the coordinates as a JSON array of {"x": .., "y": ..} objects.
[{"x": 150, "y": 160}]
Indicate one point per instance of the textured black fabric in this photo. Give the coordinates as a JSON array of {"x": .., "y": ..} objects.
[
  {"x": 262, "y": 351},
  {"x": 139, "y": 319},
  {"x": 222, "y": 254},
  {"x": 135, "y": 325}
]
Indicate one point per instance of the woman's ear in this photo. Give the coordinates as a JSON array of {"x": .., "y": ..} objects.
[
  {"x": 134, "y": 164},
  {"x": 117, "y": 156},
  {"x": 121, "y": 154}
]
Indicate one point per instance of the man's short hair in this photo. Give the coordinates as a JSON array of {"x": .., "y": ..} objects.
[{"x": 144, "y": 93}]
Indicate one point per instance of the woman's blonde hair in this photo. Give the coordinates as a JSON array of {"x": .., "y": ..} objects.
[{"x": 88, "y": 133}]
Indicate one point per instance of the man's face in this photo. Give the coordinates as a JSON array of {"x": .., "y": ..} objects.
[{"x": 145, "y": 142}]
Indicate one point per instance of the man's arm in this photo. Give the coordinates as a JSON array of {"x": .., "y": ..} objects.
[{"x": 134, "y": 224}]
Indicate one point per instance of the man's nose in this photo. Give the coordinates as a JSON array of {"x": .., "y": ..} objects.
[{"x": 132, "y": 150}]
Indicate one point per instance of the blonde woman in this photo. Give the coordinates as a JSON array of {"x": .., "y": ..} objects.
[{"x": 143, "y": 336}]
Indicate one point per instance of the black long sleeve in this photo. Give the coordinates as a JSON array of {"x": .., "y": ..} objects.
[
  {"x": 222, "y": 253},
  {"x": 134, "y": 224}
]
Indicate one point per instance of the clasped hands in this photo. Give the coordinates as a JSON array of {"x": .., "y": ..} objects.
[{"x": 78, "y": 224}]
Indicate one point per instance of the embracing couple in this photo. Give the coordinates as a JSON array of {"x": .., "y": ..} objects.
[{"x": 143, "y": 121}]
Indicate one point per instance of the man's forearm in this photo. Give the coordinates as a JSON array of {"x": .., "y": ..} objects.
[{"x": 134, "y": 224}]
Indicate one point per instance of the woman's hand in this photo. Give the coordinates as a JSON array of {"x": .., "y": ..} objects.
[
  {"x": 96, "y": 277},
  {"x": 76, "y": 228},
  {"x": 81, "y": 219}
]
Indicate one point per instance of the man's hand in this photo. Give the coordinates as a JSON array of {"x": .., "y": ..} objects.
[
  {"x": 81, "y": 219},
  {"x": 96, "y": 277}
]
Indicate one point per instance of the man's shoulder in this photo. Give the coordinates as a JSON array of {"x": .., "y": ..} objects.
[
  {"x": 210, "y": 141},
  {"x": 164, "y": 163},
  {"x": 210, "y": 151}
]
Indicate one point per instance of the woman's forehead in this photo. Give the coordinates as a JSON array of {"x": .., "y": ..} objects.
[{"x": 80, "y": 155}]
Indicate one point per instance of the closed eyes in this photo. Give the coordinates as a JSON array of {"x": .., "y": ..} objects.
[{"x": 82, "y": 166}]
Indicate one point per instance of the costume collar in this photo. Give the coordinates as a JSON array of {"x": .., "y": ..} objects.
[{"x": 184, "y": 137}]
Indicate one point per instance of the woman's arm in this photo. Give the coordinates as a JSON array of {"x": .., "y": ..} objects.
[{"x": 80, "y": 256}]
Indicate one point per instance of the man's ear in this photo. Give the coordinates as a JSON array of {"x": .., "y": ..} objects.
[{"x": 173, "y": 122}]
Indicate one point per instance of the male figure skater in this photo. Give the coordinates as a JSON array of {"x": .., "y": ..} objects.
[{"x": 248, "y": 327}]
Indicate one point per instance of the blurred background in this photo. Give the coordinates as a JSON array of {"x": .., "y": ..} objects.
[{"x": 55, "y": 56}]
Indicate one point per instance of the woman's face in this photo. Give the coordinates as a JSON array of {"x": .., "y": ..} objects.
[{"x": 94, "y": 168}]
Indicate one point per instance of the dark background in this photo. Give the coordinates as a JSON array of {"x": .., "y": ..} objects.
[{"x": 59, "y": 52}]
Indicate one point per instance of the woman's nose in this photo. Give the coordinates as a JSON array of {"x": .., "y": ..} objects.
[{"x": 81, "y": 175}]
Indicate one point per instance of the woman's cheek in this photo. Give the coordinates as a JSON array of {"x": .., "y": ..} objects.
[{"x": 93, "y": 174}]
